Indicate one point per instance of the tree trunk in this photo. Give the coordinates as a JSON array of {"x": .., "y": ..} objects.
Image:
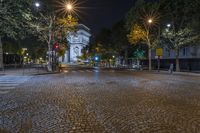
[
  {"x": 1, "y": 55},
  {"x": 126, "y": 56},
  {"x": 150, "y": 68},
  {"x": 49, "y": 46},
  {"x": 177, "y": 60}
]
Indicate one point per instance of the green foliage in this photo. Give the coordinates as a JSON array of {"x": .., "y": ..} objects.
[
  {"x": 139, "y": 27},
  {"x": 109, "y": 42},
  {"x": 49, "y": 28},
  {"x": 180, "y": 38},
  {"x": 85, "y": 53},
  {"x": 141, "y": 12},
  {"x": 183, "y": 22},
  {"x": 137, "y": 34},
  {"x": 182, "y": 15},
  {"x": 118, "y": 37},
  {"x": 133, "y": 16},
  {"x": 16, "y": 18},
  {"x": 11, "y": 47},
  {"x": 39, "y": 51},
  {"x": 21, "y": 51},
  {"x": 62, "y": 50}
]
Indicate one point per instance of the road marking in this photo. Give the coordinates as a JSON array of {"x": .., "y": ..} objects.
[{"x": 8, "y": 83}]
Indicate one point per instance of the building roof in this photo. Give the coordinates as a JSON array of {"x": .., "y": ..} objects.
[{"x": 82, "y": 26}]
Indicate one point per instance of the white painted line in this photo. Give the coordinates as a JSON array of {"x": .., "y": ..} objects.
[
  {"x": 4, "y": 92},
  {"x": 7, "y": 87}
]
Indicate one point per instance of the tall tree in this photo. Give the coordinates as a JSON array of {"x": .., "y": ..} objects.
[
  {"x": 119, "y": 39},
  {"x": 15, "y": 16},
  {"x": 51, "y": 29},
  {"x": 102, "y": 44},
  {"x": 182, "y": 18},
  {"x": 142, "y": 22}
]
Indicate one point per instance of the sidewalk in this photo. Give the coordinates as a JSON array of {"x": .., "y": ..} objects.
[
  {"x": 178, "y": 73},
  {"x": 28, "y": 71}
]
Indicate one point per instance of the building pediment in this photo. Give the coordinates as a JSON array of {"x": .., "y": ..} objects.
[{"x": 81, "y": 36}]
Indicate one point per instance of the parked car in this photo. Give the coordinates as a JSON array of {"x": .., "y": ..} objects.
[{"x": 136, "y": 66}]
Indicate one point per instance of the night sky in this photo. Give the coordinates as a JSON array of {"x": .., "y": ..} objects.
[{"x": 103, "y": 13}]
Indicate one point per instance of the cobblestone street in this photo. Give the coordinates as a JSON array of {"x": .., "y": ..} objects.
[{"x": 103, "y": 102}]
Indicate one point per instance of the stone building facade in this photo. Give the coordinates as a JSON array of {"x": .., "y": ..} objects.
[{"x": 77, "y": 41}]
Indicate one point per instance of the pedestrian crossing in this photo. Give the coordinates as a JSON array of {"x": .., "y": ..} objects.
[{"x": 7, "y": 83}]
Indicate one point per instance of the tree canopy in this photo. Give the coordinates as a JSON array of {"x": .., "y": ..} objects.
[
  {"x": 175, "y": 21},
  {"x": 15, "y": 16}
]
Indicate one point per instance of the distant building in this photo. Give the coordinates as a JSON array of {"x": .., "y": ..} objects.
[
  {"x": 77, "y": 41},
  {"x": 189, "y": 57},
  {"x": 187, "y": 52}
]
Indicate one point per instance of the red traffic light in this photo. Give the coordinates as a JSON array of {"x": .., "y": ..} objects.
[{"x": 55, "y": 46}]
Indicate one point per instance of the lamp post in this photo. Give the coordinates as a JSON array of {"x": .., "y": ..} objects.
[
  {"x": 37, "y": 4},
  {"x": 69, "y": 8},
  {"x": 149, "y": 22},
  {"x": 50, "y": 20}
]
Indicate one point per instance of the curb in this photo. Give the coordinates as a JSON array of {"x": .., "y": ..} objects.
[
  {"x": 36, "y": 74},
  {"x": 177, "y": 73}
]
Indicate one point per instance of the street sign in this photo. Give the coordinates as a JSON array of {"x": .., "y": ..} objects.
[{"x": 159, "y": 52}]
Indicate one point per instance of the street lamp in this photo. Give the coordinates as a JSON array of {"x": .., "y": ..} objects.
[
  {"x": 69, "y": 7},
  {"x": 150, "y": 21},
  {"x": 168, "y": 25},
  {"x": 37, "y": 4}
]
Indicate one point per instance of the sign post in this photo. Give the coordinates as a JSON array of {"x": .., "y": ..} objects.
[{"x": 159, "y": 54}]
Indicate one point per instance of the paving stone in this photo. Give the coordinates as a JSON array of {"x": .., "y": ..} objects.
[{"x": 117, "y": 102}]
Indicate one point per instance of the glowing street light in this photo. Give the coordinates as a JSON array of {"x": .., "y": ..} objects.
[
  {"x": 37, "y": 4},
  {"x": 69, "y": 7},
  {"x": 168, "y": 25},
  {"x": 150, "y": 21}
]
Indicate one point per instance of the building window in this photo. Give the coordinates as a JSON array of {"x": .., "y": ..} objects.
[
  {"x": 184, "y": 51},
  {"x": 168, "y": 52},
  {"x": 194, "y": 51}
]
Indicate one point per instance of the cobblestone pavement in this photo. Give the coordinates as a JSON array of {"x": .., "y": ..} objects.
[{"x": 103, "y": 102}]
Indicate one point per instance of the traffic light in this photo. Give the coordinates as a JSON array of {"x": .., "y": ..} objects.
[
  {"x": 96, "y": 58},
  {"x": 55, "y": 46}
]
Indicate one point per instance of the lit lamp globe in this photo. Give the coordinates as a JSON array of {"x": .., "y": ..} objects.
[
  {"x": 37, "y": 4},
  {"x": 168, "y": 25},
  {"x": 150, "y": 21},
  {"x": 69, "y": 7}
]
